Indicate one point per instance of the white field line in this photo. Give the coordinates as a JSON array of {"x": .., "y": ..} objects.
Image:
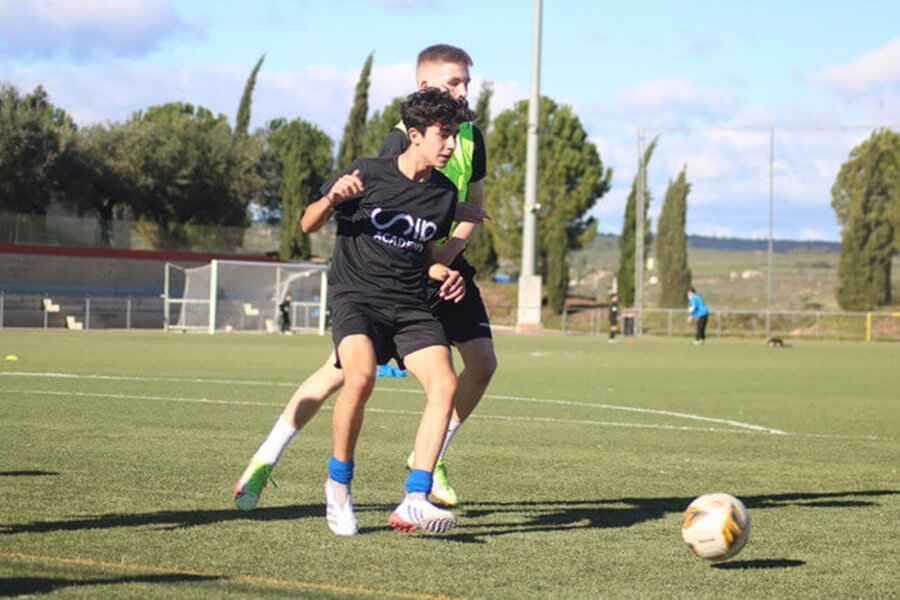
[
  {"x": 368, "y": 409},
  {"x": 414, "y": 413},
  {"x": 666, "y": 413},
  {"x": 741, "y": 427}
]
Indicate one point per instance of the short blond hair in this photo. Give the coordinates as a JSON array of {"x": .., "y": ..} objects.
[{"x": 444, "y": 53}]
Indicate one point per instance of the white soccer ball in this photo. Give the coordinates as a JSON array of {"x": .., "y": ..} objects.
[{"x": 716, "y": 526}]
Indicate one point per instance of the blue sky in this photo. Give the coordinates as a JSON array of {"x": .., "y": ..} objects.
[{"x": 808, "y": 68}]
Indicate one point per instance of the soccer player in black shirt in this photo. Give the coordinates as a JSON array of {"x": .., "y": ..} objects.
[
  {"x": 466, "y": 322},
  {"x": 390, "y": 212}
]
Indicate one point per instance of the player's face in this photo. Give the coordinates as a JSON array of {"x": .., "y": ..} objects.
[
  {"x": 438, "y": 144},
  {"x": 452, "y": 77}
]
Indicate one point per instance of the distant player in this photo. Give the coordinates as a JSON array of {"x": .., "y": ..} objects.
[
  {"x": 284, "y": 313},
  {"x": 390, "y": 212},
  {"x": 613, "y": 317},
  {"x": 700, "y": 312}
]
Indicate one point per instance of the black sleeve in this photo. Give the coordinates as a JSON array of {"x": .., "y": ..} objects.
[
  {"x": 394, "y": 144},
  {"x": 479, "y": 157}
]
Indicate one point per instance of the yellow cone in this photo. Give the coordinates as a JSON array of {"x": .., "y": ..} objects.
[{"x": 12, "y": 357}]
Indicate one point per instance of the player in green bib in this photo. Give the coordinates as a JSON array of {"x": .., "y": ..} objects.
[{"x": 466, "y": 323}]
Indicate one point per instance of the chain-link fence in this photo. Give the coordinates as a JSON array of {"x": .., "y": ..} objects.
[{"x": 809, "y": 325}]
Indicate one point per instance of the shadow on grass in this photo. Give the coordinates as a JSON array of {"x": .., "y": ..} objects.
[
  {"x": 24, "y": 586},
  {"x": 771, "y": 563},
  {"x": 180, "y": 519},
  {"x": 537, "y": 516},
  {"x": 27, "y": 473},
  {"x": 496, "y": 518}
]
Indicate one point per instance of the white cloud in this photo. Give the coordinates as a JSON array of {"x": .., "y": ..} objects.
[
  {"x": 867, "y": 71},
  {"x": 674, "y": 94},
  {"x": 320, "y": 94},
  {"x": 812, "y": 235},
  {"x": 86, "y": 28}
]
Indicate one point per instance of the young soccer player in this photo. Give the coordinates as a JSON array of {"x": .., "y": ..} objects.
[
  {"x": 390, "y": 211},
  {"x": 466, "y": 323}
]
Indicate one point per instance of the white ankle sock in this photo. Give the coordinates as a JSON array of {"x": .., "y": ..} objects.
[
  {"x": 281, "y": 435},
  {"x": 452, "y": 428}
]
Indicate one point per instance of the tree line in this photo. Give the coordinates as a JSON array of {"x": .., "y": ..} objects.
[{"x": 175, "y": 169}]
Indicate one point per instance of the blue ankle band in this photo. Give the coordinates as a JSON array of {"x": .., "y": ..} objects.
[
  {"x": 340, "y": 471},
  {"x": 418, "y": 480}
]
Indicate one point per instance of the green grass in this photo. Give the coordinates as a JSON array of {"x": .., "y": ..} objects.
[{"x": 116, "y": 479}]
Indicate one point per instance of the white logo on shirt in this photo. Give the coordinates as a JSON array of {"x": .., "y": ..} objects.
[
  {"x": 422, "y": 230},
  {"x": 412, "y": 232}
]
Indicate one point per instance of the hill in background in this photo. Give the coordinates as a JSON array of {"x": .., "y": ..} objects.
[{"x": 728, "y": 272}]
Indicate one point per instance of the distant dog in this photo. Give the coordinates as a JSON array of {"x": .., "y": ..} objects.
[{"x": 775, "y": 343}]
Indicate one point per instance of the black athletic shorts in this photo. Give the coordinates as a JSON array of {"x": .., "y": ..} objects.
[
  {"x": 467, "y": 320},
  {"x": 395, "y": 331}
]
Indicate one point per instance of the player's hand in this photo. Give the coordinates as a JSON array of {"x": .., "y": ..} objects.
[
  {"x": 453, "y": 286},
  {"x": 347, "y": 186},
  {"x": 470, "y": 213}
]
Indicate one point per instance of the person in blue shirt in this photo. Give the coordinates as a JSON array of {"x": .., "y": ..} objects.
[{"x": 700, "y": 312}]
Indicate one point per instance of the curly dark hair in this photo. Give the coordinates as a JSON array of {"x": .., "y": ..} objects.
[{"x": 433, "y": 106}]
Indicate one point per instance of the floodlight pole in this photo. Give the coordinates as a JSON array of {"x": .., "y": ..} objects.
[
  {"x": 639, "y": 236},
  {"x": 213, "y": 294},
  {"x": 771, "y": 225},
  {"x": 529, "y": 312}
]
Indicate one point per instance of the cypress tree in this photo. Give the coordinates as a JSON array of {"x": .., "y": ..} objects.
[
  {"x": 556, "y": 282},
  {"x": 625, "y": 278},
  {"x": 483, "y": 107},
  {"x": 866, "y": 199},
  {"x": 671, "y": 244},
  {"x": 242, "y": 123},
  {"x": 379, "y": 126},
  {"x": 355, "y": 130},
  {"x": 305, "y": 156},
  {"x": 480, "y": 250}
]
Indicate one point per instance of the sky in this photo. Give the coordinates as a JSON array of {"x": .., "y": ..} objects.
[{"x": 758, "y": 101}]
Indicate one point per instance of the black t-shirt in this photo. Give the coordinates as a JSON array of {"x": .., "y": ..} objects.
[
  {"x": 397, "y": 141},
  {"x": 381, "y": 252}
]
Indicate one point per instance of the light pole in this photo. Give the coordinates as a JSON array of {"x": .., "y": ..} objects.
[{"x": 529, "y": 310}]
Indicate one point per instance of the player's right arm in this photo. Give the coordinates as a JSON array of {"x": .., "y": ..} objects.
[{"x": 318, "y": 213}]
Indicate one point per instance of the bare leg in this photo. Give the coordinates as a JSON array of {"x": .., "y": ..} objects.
[
  {"x": 358, "y": 363},
  {"x": 480, "y": 363},
  {"x": 433, "y": 368},
  {"x": 312, "y": 393}
]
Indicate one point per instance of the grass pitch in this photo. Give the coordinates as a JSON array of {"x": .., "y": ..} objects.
[{"x": 120, "y": 451}]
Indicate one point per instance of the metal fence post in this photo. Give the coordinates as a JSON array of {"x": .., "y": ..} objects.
[
  {"x": 1, "y": 310},
  {"x": 128, "y": 313},
  {"x": 670, "y": 322},
  {"x": 87, "y": 311}
]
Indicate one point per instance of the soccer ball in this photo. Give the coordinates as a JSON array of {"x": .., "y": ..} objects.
[{"x": 715, "y": 526}]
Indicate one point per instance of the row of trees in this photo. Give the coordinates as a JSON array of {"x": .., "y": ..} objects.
[
  {"x": 865, "y": 198},
  {"x": 175, "y": 169}
]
